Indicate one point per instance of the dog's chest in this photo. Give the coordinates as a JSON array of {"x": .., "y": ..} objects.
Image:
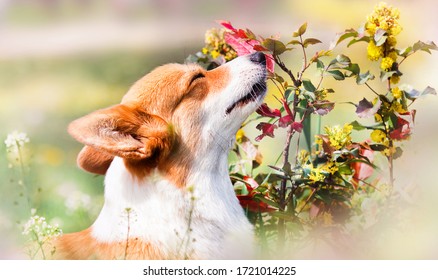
[{"x": 180, "y": 222}]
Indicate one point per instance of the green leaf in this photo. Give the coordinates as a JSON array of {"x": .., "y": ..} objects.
[
  {"x": 357, "y": 126},
  {"x": 413, "y": 94},
  {"x": 288, "y": 93},
  {"x": 336, "y": 74},
  {"x": 343, "y": 60},
  {"x": 283, "y": 216},
  {"x": 384, "y": 76},
  {"x": 363, "y": 39},
  {"x": 262, "y": 198},
  {"x": 380, "y": 37},
  {"x": 404, "y": 52},
  {"x": 294, "y": 42},
  {"x": 311, "y": 41},
  {"x": 363, "y": 78},
  {"x": 345, "y": 169},
  {"x": 275, "y": 46},
  {"x": 287, "y": 168},
  {"x": 398, "y": 153},
  {"x": 319, "y": 65},
  {"x": 428, "y": 90},
  {"x": 309, "y": 86},
  {"x": 353, "y": 68},
  {"x": 344, "y": 35},
  {"x": 324, "y": 195},
  {"x": 378, "y": 147},
  {"x": 300, "y": 30},
  {"x": 323, "y": 107},
  {"x": 307, "y": 131},
  {"x": 427, "y": 47}
]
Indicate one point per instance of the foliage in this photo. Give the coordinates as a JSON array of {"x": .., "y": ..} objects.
[{"x": 319, "y": 186}]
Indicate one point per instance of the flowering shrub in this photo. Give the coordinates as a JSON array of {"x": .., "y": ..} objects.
[
  {"x": 41, "y": 234},
  {"x": 319, "y": 185}
]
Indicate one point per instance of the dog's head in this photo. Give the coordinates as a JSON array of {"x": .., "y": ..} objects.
[{"x": 172, "y": 112}]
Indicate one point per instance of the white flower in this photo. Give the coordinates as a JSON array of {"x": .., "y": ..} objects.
[
  {"x": 16, "y": 140},
  {"x": 39, "y": 230}
]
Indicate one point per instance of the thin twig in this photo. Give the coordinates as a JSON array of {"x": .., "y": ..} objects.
[
  {"x": 375, "y": 92},
  {"x": 283, "y": 67}
]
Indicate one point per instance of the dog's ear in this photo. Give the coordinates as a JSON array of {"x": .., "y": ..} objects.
[
  {"x": 125, "y": 131},
  {"x": 94, "y": 161}
]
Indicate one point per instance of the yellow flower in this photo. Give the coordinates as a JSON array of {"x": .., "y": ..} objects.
[
  {"x": 393, "y": 55},
  {"x": 386, "y": 63},
  {"x": 395, "y": 79},
  {"x": 315, "y": 175},
  {"x": 377, "y": 118},
  {"x": 303, "y": 156},
  {"x": 389, "y": 151},
  {"x": 378, "y": 136},
  {"x": 240, "y": 135},
  {"x": 398, "y": 107},
  {"x": 215, "y": 45},
  {"x": 395, "y": 30},
  {"x": 214, "y": 54},
  {"x": 371, "y": 28},
  {"x": 339, "y": 137},
  {"x": 397, "y": 93},
  {"x": 384, "y": 17},
  {"x": 374, "y": 52},
  {"x": 391, "y": 41},
  {"x": 330, "y": 167}
]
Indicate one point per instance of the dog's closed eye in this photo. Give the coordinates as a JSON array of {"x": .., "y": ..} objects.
[{"x": 198, "y": 76}]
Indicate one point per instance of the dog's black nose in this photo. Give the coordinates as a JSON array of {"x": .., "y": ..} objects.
[{"x": 258, "y": 57}]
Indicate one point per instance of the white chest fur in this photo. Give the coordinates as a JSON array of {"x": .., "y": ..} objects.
[{"x": 207, "y": 223}]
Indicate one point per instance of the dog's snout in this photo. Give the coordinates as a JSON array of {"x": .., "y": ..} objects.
[{"x": 258, "y": 57}]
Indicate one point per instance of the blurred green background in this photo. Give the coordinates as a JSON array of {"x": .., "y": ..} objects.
[{"x": 61, "y": 59}]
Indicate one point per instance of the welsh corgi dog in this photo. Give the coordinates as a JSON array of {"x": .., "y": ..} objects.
[{"x": 164, "y": 154}]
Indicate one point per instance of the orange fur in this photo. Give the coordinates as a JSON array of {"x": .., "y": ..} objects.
[
  {"x": 146, "y": 130},
  {"x": 166, "y": 92},
  {"x": 82, "y": 246},
  {"x": 94, "y": 161}
]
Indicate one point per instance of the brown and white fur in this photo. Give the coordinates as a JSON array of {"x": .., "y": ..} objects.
[{"x": 164, "y": 152}]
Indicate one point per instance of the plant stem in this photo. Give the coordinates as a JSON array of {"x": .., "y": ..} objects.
[
  {"x": 128, "y": 212},
  {"x": 391, "y": 156},
  {"x": 283, "y": 187},
  {"x": 283, "y": 67},
  {"x": 375, "y": 92},
  {"x": 23, "y": 176}
]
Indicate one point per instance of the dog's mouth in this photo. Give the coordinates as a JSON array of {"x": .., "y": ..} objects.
[{"x": 257, "y": 91}]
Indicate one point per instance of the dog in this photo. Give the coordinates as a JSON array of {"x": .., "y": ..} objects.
[{"x": 164, "y": 152}]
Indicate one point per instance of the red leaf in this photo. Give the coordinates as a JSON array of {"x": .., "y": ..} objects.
[
  {"x": 270, "y": 64},
  {"x": 247, "y": 202},
  {"x": 366, "y": 109},
  {"x": 250, "y": 183},
  {"x": 238, "y": 40},
  {"x": 403, "y": 127},
  {"x": 297, "y": 126},
  {"x": 267, "y": 130},
  {"x": 260, "y": 48},
  {"x": 227, "y": 25},
  {"x": 242, "y": 47},
  {"x": 285, "y": 121},
  {"x": 265, "y": 111},
  {"x": 363, "y": 170},
  {"x": 241, "y": 34}
]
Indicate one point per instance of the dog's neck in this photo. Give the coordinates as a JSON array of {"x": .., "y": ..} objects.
[
  {"x": 220, "y": 141},
  {"x": 156, "y": 210}
]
